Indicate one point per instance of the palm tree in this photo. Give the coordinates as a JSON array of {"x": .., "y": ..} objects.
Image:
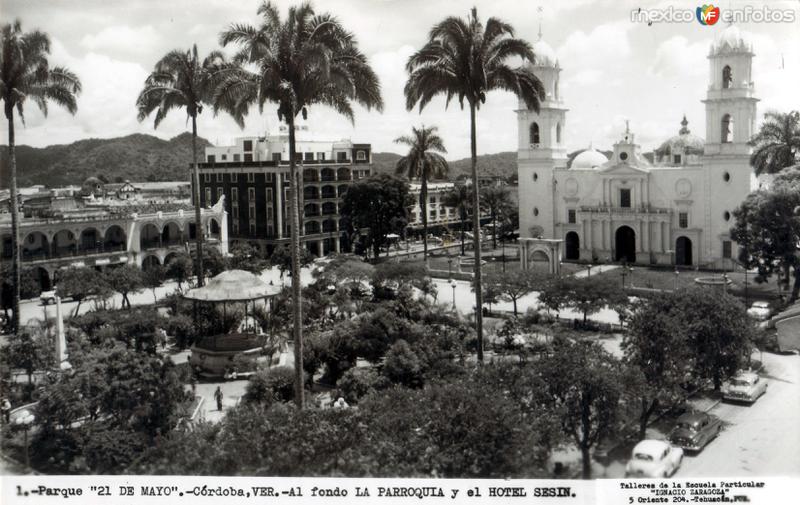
[
  {"x": 776, "y": 143},
  {"x": 465, "y": 60},
  {"x": 25, "y": 74},
  {"x": 181, "y": 80},
  {"x": 459, "y": 198},
  {"x": 423, "y": 162},
  {"x": 496, "y": 200},
  {"x": 306, "y": 59}
]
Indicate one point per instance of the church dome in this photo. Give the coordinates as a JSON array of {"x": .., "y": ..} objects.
[
  {"x": 683, "y": 143},
  {"x": 731, "y": 40},
  {"x": 588, "y": 159},
  {"x": 544, "y": 54}
]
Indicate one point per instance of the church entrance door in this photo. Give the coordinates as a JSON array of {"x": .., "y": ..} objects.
[
  {"x": 683, "y": 251},
  {"x": 625, "y": 245},
  {"x": 573, "y": 244}
]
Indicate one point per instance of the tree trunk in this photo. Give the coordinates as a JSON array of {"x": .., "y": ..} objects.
[
  {"x": 515, "y": 307},
  {"x": 586, "y": 459},
  {"x": 294, "y": 250},
  {"x": 198, "y": 226},
  {"x": 796, "y": 286},
  {"x": 463, "y": 221},
  {"x": 476, "y": 230},
  {"x": 16, "y": 266},
  {"x": 494, "y": 231},
  {"x": 423, "y": 204},
  {"x": 647, "y": 411}
]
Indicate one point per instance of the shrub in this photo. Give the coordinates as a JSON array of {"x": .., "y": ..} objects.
[
  {"x": 359, "y": 382},
  {"x": 267, "y": 386},
  {"x": 403, "y": 366}
]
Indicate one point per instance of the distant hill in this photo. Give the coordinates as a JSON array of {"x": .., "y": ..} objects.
[
  {"x": 135, "y": 157},
  {"x": 502, "y": 164},
  {"x": 142, "y": 157}
]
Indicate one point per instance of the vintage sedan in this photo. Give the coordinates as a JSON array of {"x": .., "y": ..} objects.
[
  {"x": 654, "y": 458},
  {"x": 694, "y": 430},
  {"x": 745, "y": 387},
  {"x": 760, "y": 311}
]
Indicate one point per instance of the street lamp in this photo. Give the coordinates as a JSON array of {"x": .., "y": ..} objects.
[
  {"x": 449, "y": 266},
  {"x": 675, "y": 287},
  {"x": 724, "y": 282},
  {"x": 25, "y": 421},
  {"x": 453, "y": 284}
]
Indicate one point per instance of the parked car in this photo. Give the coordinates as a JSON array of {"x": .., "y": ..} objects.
[
  {"x": 48, "y": 296},
  {"x": 760, "y": 311},
  {"x": 694, "y": 430},
  {"x": 655, "y": 459},
  {"x": 745, "y": 387}
]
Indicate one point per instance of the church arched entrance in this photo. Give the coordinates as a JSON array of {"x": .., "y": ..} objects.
[
  {"x": 625, "y": 245},
  {"x": 573, "y": 246},
  {"x": 683, "y": 251}
]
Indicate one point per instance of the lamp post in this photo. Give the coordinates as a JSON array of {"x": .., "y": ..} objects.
[
  {"x": 675, "y": 285},
  {"x": 725, "y": 282},
  {"x": 453, "y": 284},
  {"x": 25, "y": 421},
  {"x": 449, "y": 266}
]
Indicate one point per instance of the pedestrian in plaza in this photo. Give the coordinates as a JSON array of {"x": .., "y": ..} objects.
[
  {"x": 6, "y": 410},
  {"x": 218, "y": 398}
]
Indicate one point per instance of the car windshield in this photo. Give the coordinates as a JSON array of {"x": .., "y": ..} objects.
[
  {"x": 740, "y": 382},
  {"x": 761, "y": 305},
  {"x": 642, "y": 456},
  {"x": 687, "y": 426}
]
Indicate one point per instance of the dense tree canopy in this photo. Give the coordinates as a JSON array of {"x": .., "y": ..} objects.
[
  {"x": 375, "y": 207},
  {"x": 767, "y": 230}
]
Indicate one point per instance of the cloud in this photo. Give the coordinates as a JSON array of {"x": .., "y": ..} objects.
[
  {"x": 677, "y": 57},
  {"x": 123, "y": 40}
]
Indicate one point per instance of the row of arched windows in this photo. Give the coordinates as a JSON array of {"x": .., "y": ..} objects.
[{"x": 535, "y": 136}]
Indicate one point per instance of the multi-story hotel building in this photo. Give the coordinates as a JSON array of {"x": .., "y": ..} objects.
[
  {"x": 253, "y": 176},
  {"x": 86, "y": 227}
]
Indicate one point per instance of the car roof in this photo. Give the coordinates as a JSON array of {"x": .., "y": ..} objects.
[
  {"x": 691, "y": 417},
  {"x": 650, "y": 446},
  {"x": 760, "y": 304},
  {"x": 749, "y": 376}
]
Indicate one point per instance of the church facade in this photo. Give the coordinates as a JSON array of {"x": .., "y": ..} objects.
[{"x": 673, "y": 206}]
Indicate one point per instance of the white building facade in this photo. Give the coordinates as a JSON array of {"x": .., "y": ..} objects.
[{"x": 672, "y": 207}]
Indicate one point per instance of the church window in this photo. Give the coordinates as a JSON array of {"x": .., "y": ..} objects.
[
  {"x": 726, "y": 177},
  {"x": 726, "y": 215},
  {"x": 726, "y": 248},
  {"x": 555, "y": 88},
  {"x": 677, "y": 159},
  {"x": 623, "y": 156},
  {"x": 534, "y": 134},
  {"x": 727, "y": 129},
  {"x": 535, "y": 177},
  {"x": 625, "y": 198},
  {"x": 535, "y": 211},
  {"x": 571, "y": 217},
  {"x": 727, "y": 77},
  {"x": 683, "y": 220},
  {"x": 558, "y": 133}
]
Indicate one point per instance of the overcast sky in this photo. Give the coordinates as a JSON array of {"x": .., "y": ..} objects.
[{"x": 613, "y": 69}]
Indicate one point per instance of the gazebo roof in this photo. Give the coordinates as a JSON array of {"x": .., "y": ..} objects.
[{"x": 233, "y": 286}]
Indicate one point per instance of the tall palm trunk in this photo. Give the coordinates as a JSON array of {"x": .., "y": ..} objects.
[
  {"x": 464, "y": 217},
  {"x": 15, "y": 259},
  {"x": 423, "y": 203},
  {"x": 198, "y": 225},
  {"x": 476, "y": 227},
  {"x": 294, "y": 248}
]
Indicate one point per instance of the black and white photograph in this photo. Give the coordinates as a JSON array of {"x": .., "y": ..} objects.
[{"x": 372, "y": 251}]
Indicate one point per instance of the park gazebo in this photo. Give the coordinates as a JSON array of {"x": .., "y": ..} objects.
[{"x": 231, "y": 338}]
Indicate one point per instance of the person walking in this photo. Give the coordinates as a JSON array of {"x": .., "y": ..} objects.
[
  {"x": 218, "y": 398},
  {"x": 6, "y": 406}
]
